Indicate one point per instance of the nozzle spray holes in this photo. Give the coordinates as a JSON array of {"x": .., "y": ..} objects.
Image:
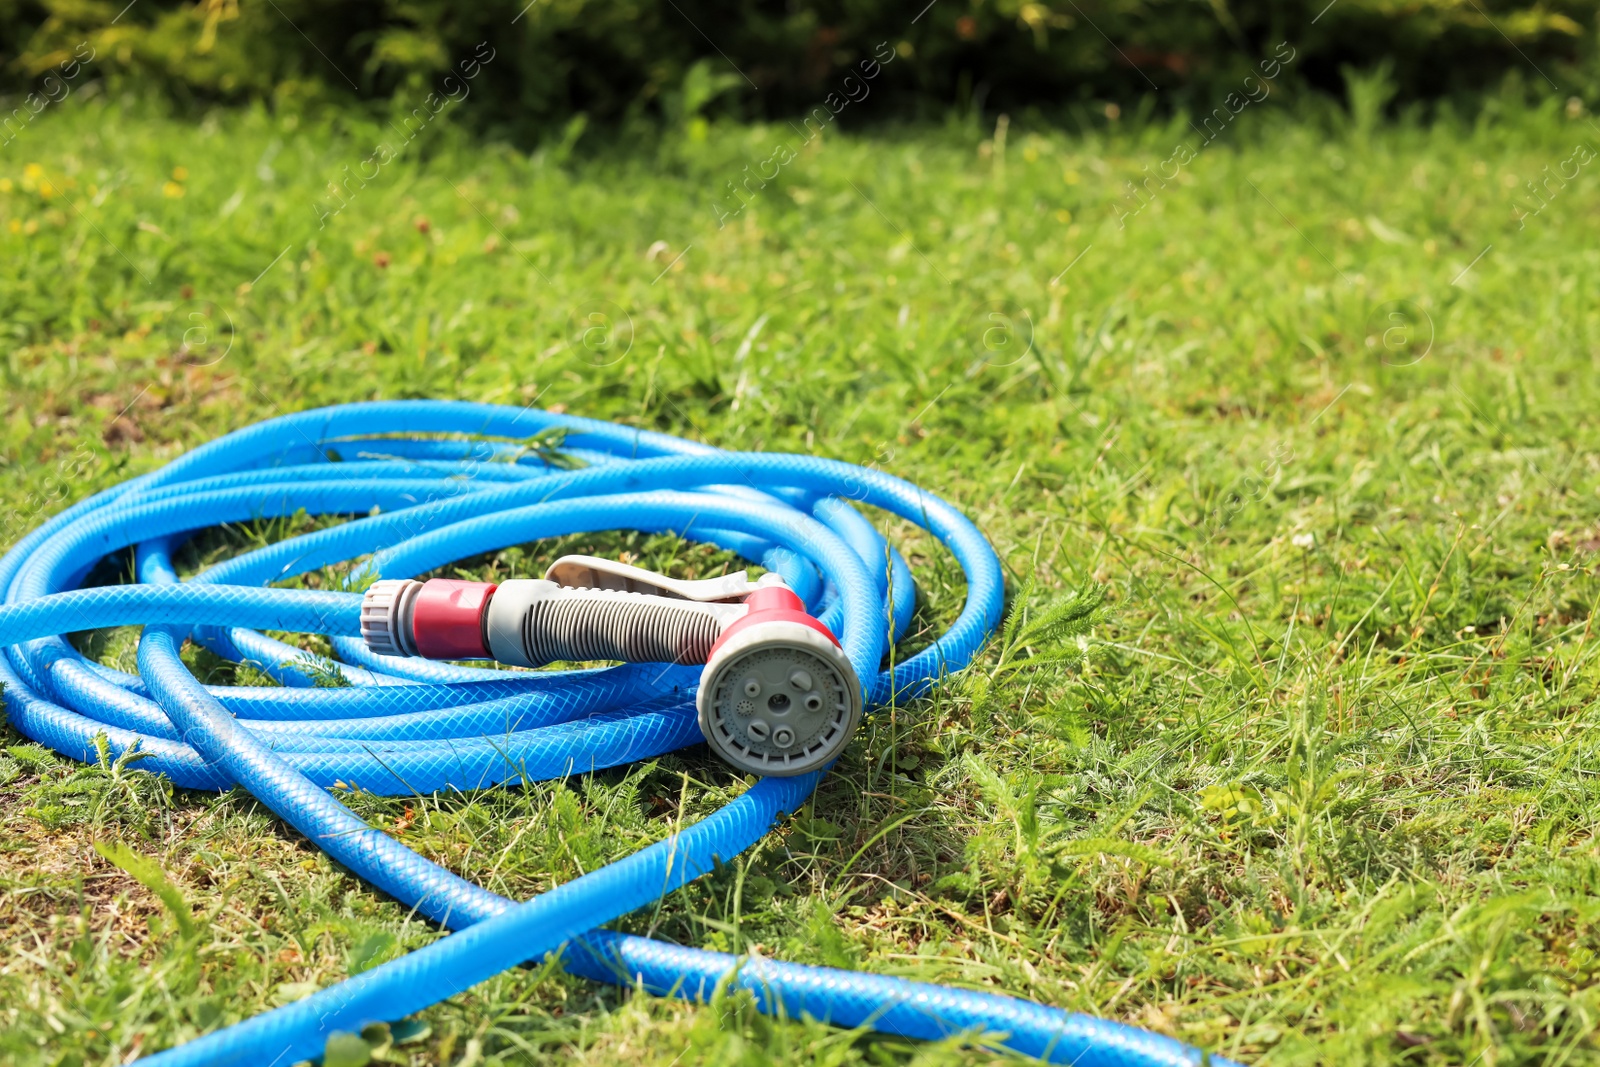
[{"x": 779, "y": 707}]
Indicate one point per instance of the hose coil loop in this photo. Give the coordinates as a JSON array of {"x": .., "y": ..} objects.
[{"x": 422, "y": 484}]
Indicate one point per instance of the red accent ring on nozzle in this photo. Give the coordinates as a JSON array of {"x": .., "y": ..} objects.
[
  {"x": 447, "y": 621},
  {"x": 774, "y": 603}
]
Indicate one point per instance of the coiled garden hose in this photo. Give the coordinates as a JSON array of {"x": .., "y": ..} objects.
[{"x": 422, "y": 484}]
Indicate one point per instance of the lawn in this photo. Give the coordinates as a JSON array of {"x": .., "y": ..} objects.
[{"x": 1314, "y": 407}]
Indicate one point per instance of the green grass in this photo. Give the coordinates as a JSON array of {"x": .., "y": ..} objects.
[{"x": 1323, "y": 788}]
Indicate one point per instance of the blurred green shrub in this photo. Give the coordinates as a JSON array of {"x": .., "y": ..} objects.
[{"x": 616, "y": 60}]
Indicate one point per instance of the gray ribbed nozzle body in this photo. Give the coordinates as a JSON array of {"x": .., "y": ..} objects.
[{"x": 531, "y": 622}]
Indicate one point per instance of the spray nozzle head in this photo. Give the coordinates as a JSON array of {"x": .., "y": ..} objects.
[{"x": 778, "y": 696}]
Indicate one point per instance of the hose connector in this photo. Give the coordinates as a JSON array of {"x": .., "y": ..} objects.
[
  {"x": 441, "y": 618},
  {"x": 386, "y": 616}
]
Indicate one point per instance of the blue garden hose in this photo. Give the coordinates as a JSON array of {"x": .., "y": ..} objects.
[{"x": 424, "y": 483}]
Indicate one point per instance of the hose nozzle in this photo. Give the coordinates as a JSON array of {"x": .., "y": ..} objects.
[{"x": 778, "y": 696}]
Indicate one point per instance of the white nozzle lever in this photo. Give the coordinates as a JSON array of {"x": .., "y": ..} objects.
[{"x": 592, "y": 572}]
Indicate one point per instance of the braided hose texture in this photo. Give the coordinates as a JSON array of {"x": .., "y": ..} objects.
[{"x": 423, "y": 484}]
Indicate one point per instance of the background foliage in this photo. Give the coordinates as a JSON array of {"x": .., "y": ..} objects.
[{"x": 615, "y": 60}]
